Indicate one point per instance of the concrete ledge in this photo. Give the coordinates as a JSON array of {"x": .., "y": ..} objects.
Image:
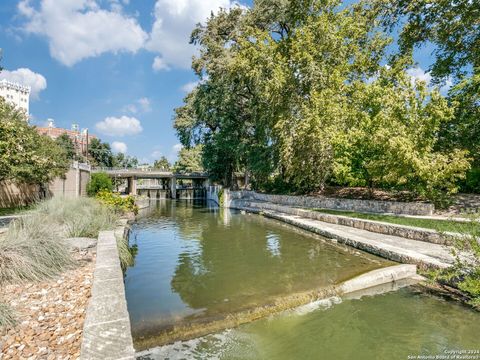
[
  {"x": 408, "y": 232},
  {"x": 378, "y": 277},
  {"x": 373, "y": 206},
  {"x": 106, "y": 332}
]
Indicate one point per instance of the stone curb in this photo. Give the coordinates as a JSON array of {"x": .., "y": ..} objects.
[
  {"x": 322, "y": 202},
  {"x": 106, "y": 332},
  {"x": 408, "y": 232}
]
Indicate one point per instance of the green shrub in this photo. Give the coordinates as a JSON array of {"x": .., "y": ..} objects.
[
  {"x": 98, "y": 182},
  {"x": 472, "y": 181},
  {"x": 465, "y": 273},
  {"x": 119, "y": 203}
]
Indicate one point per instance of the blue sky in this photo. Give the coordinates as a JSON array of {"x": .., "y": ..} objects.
[{"x": 117, "y": 67}]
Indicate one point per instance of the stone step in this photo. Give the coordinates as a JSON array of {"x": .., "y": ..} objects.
[
  {"x": 423, "y": 254},
  {"x": 404, "y": 231}
]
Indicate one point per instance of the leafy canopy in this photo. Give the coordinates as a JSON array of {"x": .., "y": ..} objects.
[
  {"x": 298, "y": 94},
  {"x": 25, "y": 155}
]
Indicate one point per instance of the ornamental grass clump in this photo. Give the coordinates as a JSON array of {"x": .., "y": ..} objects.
[
  {"x": 82, "y": 217},
  {"x": 32, "y": 250},
  {"x": 7, "y": 317}
]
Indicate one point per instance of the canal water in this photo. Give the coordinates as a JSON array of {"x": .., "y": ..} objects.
[{"x": 201, "y": 270}]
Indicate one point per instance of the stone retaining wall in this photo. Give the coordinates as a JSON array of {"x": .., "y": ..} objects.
[
  {"x": 106, "y": 332},
  {"x": 322, "y": 202},
  {"x": 408, "y": 232}
]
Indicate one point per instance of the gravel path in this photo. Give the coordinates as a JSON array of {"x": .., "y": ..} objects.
[{"x": 49, "y": 315}]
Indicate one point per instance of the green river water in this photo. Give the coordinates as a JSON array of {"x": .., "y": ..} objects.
[{"x": 198, "y": 267}]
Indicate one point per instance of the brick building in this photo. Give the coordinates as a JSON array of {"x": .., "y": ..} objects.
[{"x": 80, "y": 139}]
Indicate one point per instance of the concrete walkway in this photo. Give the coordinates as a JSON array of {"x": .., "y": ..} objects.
[{"x": 425, "y": 255}]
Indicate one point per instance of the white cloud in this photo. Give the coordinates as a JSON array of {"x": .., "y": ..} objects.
[
  {"x": 188, "y": 87},
  {"x": 141, "y": 105},
  {"x": 131, "y": 108},
  {"x": 145, "y": 104},
  {"x": 159, "y": 64},
  {"x": 113, "y": 126},
  {"x": 119, "y": 147},
  {"x": 24, "y": 76},
  {"x": 79, "y": 29},
  {"x": 174, "y": 22},
  {"x": 417, "y": 73}
]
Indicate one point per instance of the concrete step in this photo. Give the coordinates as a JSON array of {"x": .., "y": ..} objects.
[
  {"x": 423, "y": 254},
  {"x": 404, "y": 231}
]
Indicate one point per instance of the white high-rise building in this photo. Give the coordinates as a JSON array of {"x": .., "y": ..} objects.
[{"x": 16, "y": 94}]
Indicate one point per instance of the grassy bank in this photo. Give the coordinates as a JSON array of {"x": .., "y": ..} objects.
[{"x": 438, "y": 225}]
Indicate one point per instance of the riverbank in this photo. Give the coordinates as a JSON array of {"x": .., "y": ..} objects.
[
  {"x": 47, "y": 262},
  {"x": 449, "y": 259}
]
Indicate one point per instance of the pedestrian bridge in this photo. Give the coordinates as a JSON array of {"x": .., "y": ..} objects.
[{"x": 159, "y": 183}]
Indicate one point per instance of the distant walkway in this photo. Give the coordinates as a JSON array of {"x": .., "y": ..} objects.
[{"x": 396, "y": 248}]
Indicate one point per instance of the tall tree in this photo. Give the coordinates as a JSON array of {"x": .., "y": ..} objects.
[
  {"x": 162, "y": 163},
  {"x": 67, "y": 145},
  {"x": 25, "y": 155},
  {"x": 124, "y": 161},
  {"x": 189, "y": 160},
  {"x": 288, "y": 87},
  {"x": 100, "y": 153},
  {"x": 453, "y": 27}
]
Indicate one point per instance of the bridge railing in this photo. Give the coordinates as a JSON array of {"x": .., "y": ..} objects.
[
  {"x": 112, "y": 169},
  {"x": 147, "y": 170}
]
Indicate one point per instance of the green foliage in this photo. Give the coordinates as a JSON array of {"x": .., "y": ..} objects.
[
  {"x": 126, "y": 252},
  {"x": 99, "y": 181},
  {"x": 119, "y": 203},
  {"x": 472, "y": 181},
  {"x": 465, "y": 274},
  {"x": 25, "y": 155},
  {"x": 162, "y": 163},
  {"x": 124, "y": 161},
  {"x": 67, "y": 145},
  {"x": 451, "y": 25},
  {"x": 463, "y": 130},
  {"x": 454, "y": 30},
  {"x": 100, "y": 153},
  {"x": 393, "y": 144},
  {"x": 189, "y": 160},
  {"x": 296, "y": 112}
]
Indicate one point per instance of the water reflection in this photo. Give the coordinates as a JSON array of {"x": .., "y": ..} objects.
[{"x": 196, "y": 262}]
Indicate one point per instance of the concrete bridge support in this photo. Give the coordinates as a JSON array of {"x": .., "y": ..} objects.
[
  {"x": 132, "y": 185},
  {"x": 173, "y": 187}
]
